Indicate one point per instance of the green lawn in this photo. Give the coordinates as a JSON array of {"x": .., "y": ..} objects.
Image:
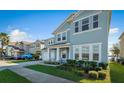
[
  {"x": 20, "y": 61},
  {"x": 116, "y": 72},
  {"x": 64, "y": 74},
  {"x": 7, "y": 76}
]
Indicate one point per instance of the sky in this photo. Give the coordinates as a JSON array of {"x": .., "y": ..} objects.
[{"x": 33, "y": 25}]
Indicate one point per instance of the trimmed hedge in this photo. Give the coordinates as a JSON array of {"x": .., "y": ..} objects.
[
  {"x": 93, "y": 75},
  {"x": 101, "y": 75}
]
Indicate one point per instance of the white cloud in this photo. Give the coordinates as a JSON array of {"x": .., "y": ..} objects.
[
  {"x": 18, "y": 35},
  {"x": 114, "y": 30}
]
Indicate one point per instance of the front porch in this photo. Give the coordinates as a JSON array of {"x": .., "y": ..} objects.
[{"x": 59, "y": 54}]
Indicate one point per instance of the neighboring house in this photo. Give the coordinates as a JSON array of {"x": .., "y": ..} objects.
[
  {"x": 82, "y": 36},
  {"x": 121, "y": 38},
  {"x": 24, "y": 45},
  {"x": 13, "y": 51},
  {"x": 36, "y": 47}
]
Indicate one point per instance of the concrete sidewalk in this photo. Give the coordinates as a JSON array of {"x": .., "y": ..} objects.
[{"x": 39, "y": 77}]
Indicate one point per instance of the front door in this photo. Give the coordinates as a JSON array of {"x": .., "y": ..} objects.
[{"x": 63, "y": 54}]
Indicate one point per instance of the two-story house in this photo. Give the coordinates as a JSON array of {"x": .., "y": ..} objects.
[{"x": 82, "y": 36}]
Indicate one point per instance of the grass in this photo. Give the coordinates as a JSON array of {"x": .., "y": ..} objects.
[
  {"x": 20, "y": 61},
  {"x": 7, "y": 76},
  {"x": 64, "y": 74},
  {"x": 116, "y": 72}
]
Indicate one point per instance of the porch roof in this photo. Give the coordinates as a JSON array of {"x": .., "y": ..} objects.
[{"x": 60, "y": 45}]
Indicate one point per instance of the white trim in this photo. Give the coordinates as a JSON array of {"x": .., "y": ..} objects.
[
  {"x": 90, "y": 51},
  {"x": 86, "y": 31},
  {"x": 62, "y": 31},
  {"x": 61, "y": 37},
  {"x": 87, "y": 16}
]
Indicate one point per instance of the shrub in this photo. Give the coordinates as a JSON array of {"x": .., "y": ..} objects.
[
  {"x": 71, "y": 62},
  {"x": 50, "y": 62},
  {"x": 93, "y": 64},
  {"x": 103, "y": 65},
  {"x": 80, "y": 63},
  {"x": 93, "y": 74},
  {"x": 101, "y": 75},
  {"x": 98, "y": 69},
  {"x": 79, "y": 73},
  {"x": 86, "y": 69}
]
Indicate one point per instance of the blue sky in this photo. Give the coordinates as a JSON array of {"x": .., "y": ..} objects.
[{"x": 33, "y": 25}]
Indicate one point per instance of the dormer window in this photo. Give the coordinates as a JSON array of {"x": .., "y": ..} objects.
[
  {"x": 85, "y": 24},
  {"x": 76, "y": 27},
  {"x": 95, "y": 21}
]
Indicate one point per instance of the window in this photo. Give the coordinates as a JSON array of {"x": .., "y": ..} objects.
[
  {"x": 85, "y": 52},
  {"x": 95, "y": 21},
  {"x": 59, "y": 37},
  {"x": 76, "y": 27},
  {"x": 85, "y": 24},
  {"x": 64, "y": 36},
  {"x": 96, "y": 52},
  {"x": 77, "y": 53}
]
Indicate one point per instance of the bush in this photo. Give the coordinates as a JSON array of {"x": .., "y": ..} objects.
[
  {"x": 50, "y": 62},
  {"x": 79, "y": 73},
  {"x": 98, "y": 69},
  {"x": 103, "y": 65},
  {"x": 71, "y": 62},
  {"x": 80, "y": 63},
  {"x": 101, "y": 75},
  {"x": 86, "y": 69},
  {"x": 93, "y": 64},
  {"x": 93, "y": 74}
]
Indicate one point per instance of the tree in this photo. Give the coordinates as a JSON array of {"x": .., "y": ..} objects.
[
  {"x": 115, "y": 50},
  {"x": 4, "y": 41}
]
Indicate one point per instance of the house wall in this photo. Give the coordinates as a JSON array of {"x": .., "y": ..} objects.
[
  {"x": 99, "y": 35},
  {"x": 122, "y": 46}
]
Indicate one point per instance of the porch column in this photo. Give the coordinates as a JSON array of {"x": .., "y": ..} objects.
[
  {"x": 57, "y": 54},
  {"x": 69, "y": 52},
  {"x": 48, "y": 54}
]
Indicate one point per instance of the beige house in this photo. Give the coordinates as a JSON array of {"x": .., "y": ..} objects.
[
  {"x": 121, "y": 38},
  {"x": 36, "y": 46}
]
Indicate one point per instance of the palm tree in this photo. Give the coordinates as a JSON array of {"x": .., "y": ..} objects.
[{"x": 4, "y": 41}]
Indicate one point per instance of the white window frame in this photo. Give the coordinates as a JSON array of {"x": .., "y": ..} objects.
[
  {"x": 61, "y": 36},
  {"x": 85, "y": 24},
  {"x": 95, "y": 21},
  {"x": 90, "y": 51}
]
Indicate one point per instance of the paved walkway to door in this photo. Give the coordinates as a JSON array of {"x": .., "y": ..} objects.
[{"x": 39, "y": 77}]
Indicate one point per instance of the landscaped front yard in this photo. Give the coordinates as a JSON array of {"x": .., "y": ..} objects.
[
  {"x": 7, "y": 76},
  {"x": 66, "y": 74},
  {"x": 116, "y": 72}
]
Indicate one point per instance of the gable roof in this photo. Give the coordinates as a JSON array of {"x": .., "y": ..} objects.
[{"x": 68, "y": 19}]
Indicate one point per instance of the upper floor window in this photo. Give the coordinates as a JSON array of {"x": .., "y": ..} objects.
[
  {"x": 76, "y": 27},
  {"x": 51, "y": 41},
  {"x": 59, "y": 37},
  {"x": 64, "y": 36},
  {"x": 95, "y": 21},
  {"x": 85, "y": 24}
]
